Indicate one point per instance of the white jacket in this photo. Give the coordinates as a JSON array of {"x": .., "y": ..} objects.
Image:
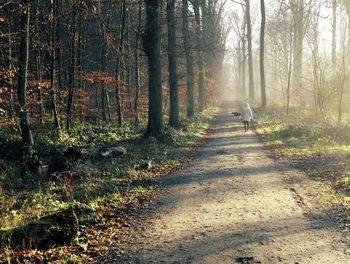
[{"x": 247, "y": 114}]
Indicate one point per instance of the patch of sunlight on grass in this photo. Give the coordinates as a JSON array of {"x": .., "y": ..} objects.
[
  {"x": 275, "y": 142},
  {"x": 297, "y": 138},
  {"x": 334, "y": 149},
  {"x": 346, "y": 180}
]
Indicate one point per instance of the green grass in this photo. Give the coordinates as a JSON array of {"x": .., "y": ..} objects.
[
  {"x": 104, "y": 185},
  {"x": 300, "y": 135}
]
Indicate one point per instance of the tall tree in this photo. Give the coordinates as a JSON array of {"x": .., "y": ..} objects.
[
  {"x": 11, "y": 110},
  {"x": 250, "y": 51},
  {"x": 244, "y": 57},
  {"x": 298, "y": 39},
  {"x": 105, "y": 102},
  {"x": 189, "y": 59},
  {"x": 118, "y": 74},
  {"x": 334, "y": 31},
  {"x": 27, "y": 136},
  {"x": 152, "y": 48},
  {"x": 53, "y": 34},
  {"x": 137, "y": 62},
  {"x": 172, "y": 56},
  {"x": 200, "y": 57},
  {"x": 262, "y": 54},
  {"x": 72, "y": 72}
]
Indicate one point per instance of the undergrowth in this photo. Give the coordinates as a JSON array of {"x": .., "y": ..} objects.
[
  {"x": 104, "y": 185},
  {"x": 300, "y": 135}
]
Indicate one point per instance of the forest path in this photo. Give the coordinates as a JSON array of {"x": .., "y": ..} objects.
[{"x": 235, "y": 204}]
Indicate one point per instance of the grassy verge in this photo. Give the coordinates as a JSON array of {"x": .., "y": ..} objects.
[
  {"x": 109, "y": 188},
  {"x": 321, "y": 150},
  {"x": 300, "y": 135}
]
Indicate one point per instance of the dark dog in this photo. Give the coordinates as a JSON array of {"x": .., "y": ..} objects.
[{"x": 236, "y": 115}]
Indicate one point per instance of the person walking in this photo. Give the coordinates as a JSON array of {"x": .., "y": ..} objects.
[{"x": 247, "y": 117}]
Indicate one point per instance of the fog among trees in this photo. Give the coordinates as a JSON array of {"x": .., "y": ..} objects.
[{"x": 303, "y": 49}]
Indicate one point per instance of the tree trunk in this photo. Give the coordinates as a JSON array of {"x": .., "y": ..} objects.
[
  {"x": 128, "y": 58},
  {"x": 38, "y": 60},
  {"x": 27, "y": 136},
  {"x": 300, "y": 41},
  {"x": 137, "y": 61},
  {"x": 206, "y": 25},
  {"x": 262, "y": 53},
  {"x": 174, "y": 93},
  {"x": 239, "y": 67},
  {"x": 106, "y": 109},
  {"x": 250, "y": 52},
  {"x": 189, "y": 59},
  {"x": 80, "y": 62},
  {"x": 53, "y": 65},
  {"x": 298, "y": 28},
  {"x": 118, "y": 66},
  {"x": 106, "y": 114},
  {"x": 58, "y": 51},
  {"x": 200, "y": 61},
  {"x": 152, "y": 48},
  {"x": 11, "y": 113},
  {"x": 334, "y": 32},
  {"x": 289, "y": 77},
  {"x": 244, "y": 59},
  {"x": 73, "y": 58}
]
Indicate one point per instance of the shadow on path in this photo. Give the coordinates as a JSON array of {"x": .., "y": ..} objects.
[{"x": 234, "y": 203}]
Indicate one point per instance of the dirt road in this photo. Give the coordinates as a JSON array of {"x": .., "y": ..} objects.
[{"x": 235, "y": 204}]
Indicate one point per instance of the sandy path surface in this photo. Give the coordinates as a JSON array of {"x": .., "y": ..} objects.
[{"x": 235, "y": 204}]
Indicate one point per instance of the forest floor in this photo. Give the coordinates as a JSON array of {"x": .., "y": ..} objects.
[{"x": 236, "y": 203}]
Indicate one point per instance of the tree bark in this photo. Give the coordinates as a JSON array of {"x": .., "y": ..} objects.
[
  {"x": 262, "y": 53},
  {"x": 334, "y": 32},
  {"x": 172, "y": 56},
  {"x": 11, "y": 111},
  {"x": 200, "y": 61},
  {"x": 250, "y": 52},
  {"x": 53, "y": 64},
  {"x": 137, "y": 62},
  {"x": 106, "y": 109},
  {"x": 206, "y": 25},
  {"x": 189, "y": 59},
  {"x": 118, "y": 66},
  {"x": 298, "y": 28},
  {"x": 239, "y": 69},
  {"x": 300, "y": 41},
  {"x": 289, "y": 77},
  {"x": 38, "y": 61},
  {"x": 27, "y": 136},
  {"x": 152, "y": 48},
  {"x": 244, "y": 58},
  {"x": 73, "y": 58}
]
